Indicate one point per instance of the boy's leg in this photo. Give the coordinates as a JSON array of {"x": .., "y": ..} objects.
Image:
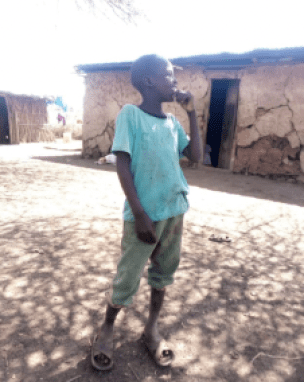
[
  {"x": 165, "y": 258},
  {"x": 135, "y": 255},
  {"x": 102, "y": 349},
  {"x": 164, "y": 262},
  {"x": 156, "y": 302}
]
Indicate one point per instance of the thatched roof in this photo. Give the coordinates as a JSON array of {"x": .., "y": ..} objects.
[
  {"x": 35, "y": 98},
  {"x": 214, "y": 61}
]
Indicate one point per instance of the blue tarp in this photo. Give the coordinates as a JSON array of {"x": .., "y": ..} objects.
[{"x": 58, "y": 101}]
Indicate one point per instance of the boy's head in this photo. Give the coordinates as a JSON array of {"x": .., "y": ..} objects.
[{"x": 154, "y": 75}]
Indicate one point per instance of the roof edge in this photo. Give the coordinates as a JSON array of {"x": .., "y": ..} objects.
[
  {"x": 36, "y": 98},
  {"x": 260, "y": 56}
]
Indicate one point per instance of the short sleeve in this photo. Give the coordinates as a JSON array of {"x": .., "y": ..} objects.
[
  {"x": 183, "y": 139},
  {"x": 124, "y": 131}
]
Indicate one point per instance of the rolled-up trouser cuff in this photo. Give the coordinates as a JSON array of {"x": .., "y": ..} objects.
[{"x": 109, "y": 301}]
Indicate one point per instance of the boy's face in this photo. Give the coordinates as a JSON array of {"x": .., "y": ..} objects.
[{"x": 162, "y": 82}]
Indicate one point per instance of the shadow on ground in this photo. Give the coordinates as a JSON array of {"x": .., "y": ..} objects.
[
  {"x": 212, "y": 179},
  {"x": 231, "y": 302},
  {"x": 228, "y": 305}
]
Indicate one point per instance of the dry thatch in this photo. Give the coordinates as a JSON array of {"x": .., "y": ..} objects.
[{"x": 26, "y": 116}]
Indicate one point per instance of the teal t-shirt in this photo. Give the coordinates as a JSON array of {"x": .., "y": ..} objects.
[{"x": 155, "y": 146}]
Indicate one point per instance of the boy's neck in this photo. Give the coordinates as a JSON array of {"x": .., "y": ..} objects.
[{"x": 151, "y": 107}]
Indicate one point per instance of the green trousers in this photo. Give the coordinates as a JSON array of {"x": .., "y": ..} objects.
[{"x": 164, "y": 256}]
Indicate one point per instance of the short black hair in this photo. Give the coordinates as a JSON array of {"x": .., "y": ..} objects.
[{"x": 143, "y": 66}]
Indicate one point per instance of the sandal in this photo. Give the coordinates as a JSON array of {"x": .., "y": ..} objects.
[
  {"x": 159, "y": 351},
  {"x": 102, "y": 353},
  {"x": 220, "y": 238}
]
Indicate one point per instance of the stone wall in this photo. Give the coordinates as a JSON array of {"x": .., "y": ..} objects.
[
  {"x": 269, "y": 135},
  {"x": 270, "y": 123}
]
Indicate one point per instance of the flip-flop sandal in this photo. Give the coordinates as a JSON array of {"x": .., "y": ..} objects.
[
  {"x": 102, "y": 353},
  {"x": 159, "y": 351},
  {"x": 220, "y": 238}
]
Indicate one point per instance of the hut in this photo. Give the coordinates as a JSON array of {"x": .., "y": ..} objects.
[
  {"x": 250, "y": 107},
  {"x": 22, "y": 119}
]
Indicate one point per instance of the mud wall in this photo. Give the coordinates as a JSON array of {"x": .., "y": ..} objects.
[
  {"x": 269, "y": 137},
  {"x": 107, "y": 92},
  {"x": 270, "y": 123}
]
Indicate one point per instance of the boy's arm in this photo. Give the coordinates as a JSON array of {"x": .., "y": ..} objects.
[
  {"x": 144, "y": 226},
  {"x": 192, "y": 151}
]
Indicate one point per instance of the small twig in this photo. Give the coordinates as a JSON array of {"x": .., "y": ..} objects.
[
  {"x": 274, "y": 356},
  {"x": 133, "y": 371},
  {"x": 73, "y": 379},
  {"x": 6, "y": 359}
]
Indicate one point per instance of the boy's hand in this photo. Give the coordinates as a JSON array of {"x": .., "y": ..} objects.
[
  {"x": 185, "y": 99},
  {"x": 145, "y": 229}
]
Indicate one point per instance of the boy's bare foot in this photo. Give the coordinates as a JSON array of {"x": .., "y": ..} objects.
[
  {"x": 102, "y": 348},
  {"x": 157, "y": 346}
]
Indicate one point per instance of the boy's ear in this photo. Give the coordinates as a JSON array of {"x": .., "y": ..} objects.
[{"x": 147, "y": 82}]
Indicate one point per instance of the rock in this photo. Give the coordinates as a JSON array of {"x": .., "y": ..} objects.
[
  {"x": 38, "y": 250},
  {"x": 292, "y": 168},
  {"x": 267, "y": 169},
  {"x": 237, "y": 167},
  {"x": 247, "y": 136},
  {"x": 269, "y": 155},
  {"x": 244, "y": 155},
  {"x": 294, "y": 140},
  {"x": 273, "y": 156},
  {"x": 95, "y": 153},
  {"x": 301, "y": 136},
  {"x": 286, "y": 161},
  {"x": 289, "y": 152},
  {"x": 263, "y": 145},
  {"x": 253, "y": 167},
  {"x": 275, "y": 122}
]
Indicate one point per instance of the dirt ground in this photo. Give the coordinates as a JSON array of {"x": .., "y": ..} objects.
[{"x": 235, "y": 312}]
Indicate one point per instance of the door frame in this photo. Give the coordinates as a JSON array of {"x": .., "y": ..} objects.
[{"x": 234, "y": 122}]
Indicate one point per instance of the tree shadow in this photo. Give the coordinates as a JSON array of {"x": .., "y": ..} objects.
[
  {"x": 227, "y": 305},
  {"x": 60, "y": 243}
]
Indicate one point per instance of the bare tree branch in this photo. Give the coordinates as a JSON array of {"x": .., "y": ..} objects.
[{"x": 123, "y": 9}]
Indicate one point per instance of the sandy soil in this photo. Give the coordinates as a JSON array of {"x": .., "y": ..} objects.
[{"x": 235, "y": 313}]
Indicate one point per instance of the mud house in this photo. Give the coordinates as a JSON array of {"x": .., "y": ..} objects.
[
  {"x": 22, "y": 118},
  {"x": 250, "y": 107}
]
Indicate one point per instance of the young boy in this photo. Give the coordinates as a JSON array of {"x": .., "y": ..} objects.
[{"x": 148, "y": 144}]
